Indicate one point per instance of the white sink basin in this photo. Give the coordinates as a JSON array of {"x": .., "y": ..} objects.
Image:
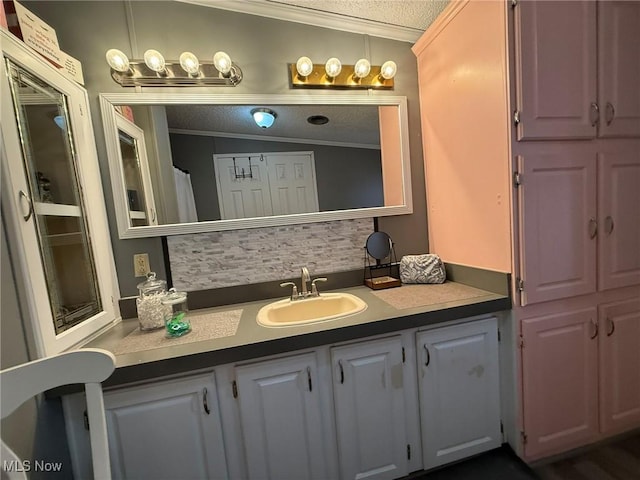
[{"x": 328, "y": 306}]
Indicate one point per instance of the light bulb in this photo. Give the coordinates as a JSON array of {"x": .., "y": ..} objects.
[
  {"x": 117, "y": 60},
  {"x": 189, "y": 63},
  {"x": 222, "y": 62},
  {"x": 333, "y": 67},
  {"x": 154, "y": 60},
  {"x": 304, "y": 66},
  {"x": 362, "y": 68},
  {"x": 388, "y": 70}
]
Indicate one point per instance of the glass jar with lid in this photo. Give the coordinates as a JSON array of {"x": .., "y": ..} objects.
[
  {"x": 151, "y": 311},
  {"x": 176, "y": 319}
]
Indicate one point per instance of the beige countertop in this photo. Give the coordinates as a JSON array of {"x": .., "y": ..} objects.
[{"x": 420, "y": 305}]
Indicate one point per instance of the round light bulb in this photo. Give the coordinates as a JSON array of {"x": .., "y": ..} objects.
[
  {"x": 388, "y": 70},
  {"x": 362, "y": 68},
  {"x": 222, "y": 62},
  {"x": 189, "y": 63},
  {"x": 263, "y": 117},
  {"x": 154, "y": 60},
  {"x": 117, "y": 60},
  {"x": 333, "y": 67},
  {"x": 304, "y": 66}
]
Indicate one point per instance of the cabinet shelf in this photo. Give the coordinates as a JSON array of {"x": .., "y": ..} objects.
[
  {"x": 136, "y": 214},
  {"x": 57, "y": 209},
  {"x": 60, "y": 239}
]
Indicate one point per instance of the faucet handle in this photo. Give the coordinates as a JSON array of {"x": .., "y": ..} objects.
[
  {"x": 294, "y": 289},
  {"x": 314, "y": 289}
]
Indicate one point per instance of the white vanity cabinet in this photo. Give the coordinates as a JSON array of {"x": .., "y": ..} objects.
[
  {"x": 458, "y": 381},
  {"x": 52, "y": 203},
  {"x": 282, "y": 422},
  {"x": 166, "y": 430},
  {"x": 369, "y": 402}
]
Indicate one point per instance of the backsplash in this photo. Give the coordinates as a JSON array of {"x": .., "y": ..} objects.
[{"x": 240, "y": 257}]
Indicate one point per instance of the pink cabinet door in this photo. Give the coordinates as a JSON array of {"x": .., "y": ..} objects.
[
  {"x": 557, "y": 231},
  {"x": 620, "y": 366},
  {"x": 619, "y": 216},
  {"x": 559, "y": 381},
  {"x": 619, "y": 68},
  {"x": 555, "y": 69}
]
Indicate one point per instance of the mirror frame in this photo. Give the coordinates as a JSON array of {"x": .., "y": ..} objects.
[{"x": 109, "y": 100}]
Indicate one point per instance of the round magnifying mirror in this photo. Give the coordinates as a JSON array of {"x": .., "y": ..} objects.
[{"x": 378, "y": 245}]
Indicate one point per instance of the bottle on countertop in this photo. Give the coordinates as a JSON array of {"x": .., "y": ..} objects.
[{"x": 151, "y": 311}]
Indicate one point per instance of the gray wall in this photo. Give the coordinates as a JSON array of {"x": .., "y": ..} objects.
[
  {"x": 261, "y": 46},
  {"x": 346, "y": 177}
]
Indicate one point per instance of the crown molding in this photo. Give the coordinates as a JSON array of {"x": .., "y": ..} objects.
[{"x": 316, "y": 18}]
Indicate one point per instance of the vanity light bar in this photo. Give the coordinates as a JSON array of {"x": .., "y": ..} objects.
[
  {"x": 361, "y": 75},
  {"x": 154, "y": 71}
]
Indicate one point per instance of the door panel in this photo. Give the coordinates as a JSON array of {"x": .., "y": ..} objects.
[
  {"x": 555, "y": 69},
  {"x": 292, "y": 182},
  {"x": 557, "y": 201},
  {"x": 560, "y": 381}
]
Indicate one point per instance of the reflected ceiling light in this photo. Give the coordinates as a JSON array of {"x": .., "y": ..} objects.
[
  {"x": 153, "y": 70},
  {"x": 117, "y": 60},
  {"x": 304, "y": 74},
  {"x": 388, "y": 70},
  {"x": 154, "y": 60},
  {"x": 264, "y": 117},
  {"x": 60, "y": 121},
  {"x": 361, "y": 68},
  {"x": 222, "y": 62},
  {"x": 189, "y": 63},
  {"x": 304, "y": 66}
]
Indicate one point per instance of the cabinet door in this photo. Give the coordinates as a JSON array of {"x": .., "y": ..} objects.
[
  {"x": 281, "y": 418},
  {"x": 166, "y": 430},
  {"x": 557, "y": 203},
  {"x": 620, "y": 366},
  {"x": 619, "y": 68},
  {"x": 559, "y": 381},
  {"x": 459, "y": 391},
  {"x": 53, "y": 203},
  {"x": 556, "y": 69},
  {"x": 619, "y": 216},
  {"x": 370, "y": 410}
]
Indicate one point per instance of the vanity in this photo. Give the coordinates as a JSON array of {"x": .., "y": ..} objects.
[{"x": 410, "y": 383}]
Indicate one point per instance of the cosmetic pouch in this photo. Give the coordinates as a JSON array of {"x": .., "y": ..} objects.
[{"x": 427, "y": 268}]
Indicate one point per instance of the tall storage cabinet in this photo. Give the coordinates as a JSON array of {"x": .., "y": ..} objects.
[
  {"x": 52, "y": 202},
  {"x": 544, "y": 185}
]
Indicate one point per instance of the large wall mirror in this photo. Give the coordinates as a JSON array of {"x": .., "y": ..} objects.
[{"x": 189, "y": 163}]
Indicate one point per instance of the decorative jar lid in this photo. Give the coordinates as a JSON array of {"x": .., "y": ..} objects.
[
  {"x": 152, "y": 285},
  {"x": 173, "y": 297}
]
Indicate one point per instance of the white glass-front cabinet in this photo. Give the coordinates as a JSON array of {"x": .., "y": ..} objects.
[{"x": 52, "y": 202}]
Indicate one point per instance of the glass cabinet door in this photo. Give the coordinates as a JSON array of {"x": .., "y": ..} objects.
[{"x": 54, "y": 198}]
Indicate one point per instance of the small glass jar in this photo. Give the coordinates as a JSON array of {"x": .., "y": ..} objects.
[
  {"x": 176, "y": 319},
  {"x": 151, "y": 311}
]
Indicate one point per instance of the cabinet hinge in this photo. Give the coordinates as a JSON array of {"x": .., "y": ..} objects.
[
  {"x": 520, "y": 284},
  {"x": 517, "y": 179},
  {"x": 516, "y": 117},
  {"x": 501, "y": 428},
  {"x": 408, "y": 452},
  {"x": 514, "y": 3},
  {"x": 86, "y": 420},
  {"x": 404, "y": 357},
  {"x": 81, "y": 111},
  {"x": 523, "y": 436},
  {"x": 521, "y": 342},
  {"x": 499, "y": 335},
  {"x": 234, "y": 389}
]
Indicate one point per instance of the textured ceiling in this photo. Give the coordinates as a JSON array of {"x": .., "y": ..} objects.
[
  {"x": 347, "y": 123},
  {"x": 417, "y": 14}
]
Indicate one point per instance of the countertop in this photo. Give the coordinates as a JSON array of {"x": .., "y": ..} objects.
[{"x": 439, "y": 303}]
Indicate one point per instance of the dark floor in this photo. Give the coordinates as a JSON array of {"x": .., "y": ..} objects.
[{"x": 498, "y": 464}]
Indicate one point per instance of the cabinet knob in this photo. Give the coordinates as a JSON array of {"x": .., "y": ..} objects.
[
  {"x": 595, "y": 114},
  {"x": 205, "y": 400},
  {"x": 428, "y": 361},
  {"x": 608, "y": 224},
  {"x": 609, "y": 113},
  {"x": 595, "y": 329},
  {"x": 593, "y": 228},
  {"x": 612, "y": 327},
  {"x": 26, "y": 198}
]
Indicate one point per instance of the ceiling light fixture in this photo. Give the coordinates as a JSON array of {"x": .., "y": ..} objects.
[
  {"x": 153, "y": 70},
  {"x": 264, "y": 117},
  {"x": 304, "y": 74},
  {"x": 318, "y": 120}
]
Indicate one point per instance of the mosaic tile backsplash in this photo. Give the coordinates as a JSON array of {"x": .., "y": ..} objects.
[{"x": 240, "y": 257}]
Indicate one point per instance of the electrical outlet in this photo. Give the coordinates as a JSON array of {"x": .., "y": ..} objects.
[{"x": 141, "y": 264}]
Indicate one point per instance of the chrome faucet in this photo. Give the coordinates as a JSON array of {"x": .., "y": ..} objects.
[
  {"x": 304, "y": 289},
  {"x": 306, "y": 278}
]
